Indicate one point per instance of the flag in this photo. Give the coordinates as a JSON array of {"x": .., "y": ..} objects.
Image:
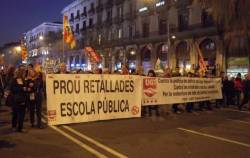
[
  {"x": 92, "y": 54},
  {"x": 24, "y": 53},
  {"x": 159, "y": 66},
  {"x": 202, "y": 64},
  {"x": 68, "y": 34}
]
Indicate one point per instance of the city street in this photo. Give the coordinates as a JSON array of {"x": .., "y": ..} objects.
[{"x": 220, "y": 133}]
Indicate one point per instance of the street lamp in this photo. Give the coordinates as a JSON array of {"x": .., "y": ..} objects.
[
  {"x": 18, "y": 49},
  {"x": 41, "y": 38}
]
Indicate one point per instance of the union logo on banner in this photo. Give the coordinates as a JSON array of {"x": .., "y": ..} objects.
[
  {"x": 52, "y": 115},
  {"x": 149, "y": 86}
]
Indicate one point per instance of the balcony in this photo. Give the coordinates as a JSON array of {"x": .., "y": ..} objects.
[
  {"x": 118, "y": 2},
  {"x": 130, "y": 16},
  {"x": 118, "y": 19},
  {"x": 99, "y": 7},
  {"x": 108, "y": 22},
  {"x": 77, "y": 17},
  {"x": 109, "y": 4},
  {"x": 91, "y": 11},
  {"x": 84, "y": 14},
  {"x": 99, "y": 24},
  {"x": 71, "y": 19}
]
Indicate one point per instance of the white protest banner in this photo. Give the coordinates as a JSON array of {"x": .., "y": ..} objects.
[
  {"x": 158, "y": 91},
  {"x": 84, "y": 98}
]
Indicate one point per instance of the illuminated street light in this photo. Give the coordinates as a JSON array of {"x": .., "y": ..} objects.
[
  {"x": 132, "y": 52},
  {"x": 173, "y": 37},
  {"x": 18, "y": 49},
  {"x": 41, "y": 38}
]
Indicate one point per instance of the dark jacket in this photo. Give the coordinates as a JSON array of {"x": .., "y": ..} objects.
[{"x": 17, "y": 92}]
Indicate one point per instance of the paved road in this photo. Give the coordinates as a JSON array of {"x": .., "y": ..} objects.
[{"x": 223, "y": 133}]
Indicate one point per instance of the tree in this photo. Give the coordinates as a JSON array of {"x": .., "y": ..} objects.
[{"x": 232, "y": 18}]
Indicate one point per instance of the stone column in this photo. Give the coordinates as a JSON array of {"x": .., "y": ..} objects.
[
  {"x": 193, "y": 53},
  {"x": 153, "y": 55},
  {"x": 220, "y": 65}
]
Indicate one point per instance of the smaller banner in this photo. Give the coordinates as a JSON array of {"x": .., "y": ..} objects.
[
  {"x": 85, "y": 98},
  {"x": 158, "y": 91}
]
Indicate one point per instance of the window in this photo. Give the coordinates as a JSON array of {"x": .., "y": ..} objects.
[
  {"x": 99, "y": 39},
  {"x": 119, "y": 33},
  {"x": 183, "y": 21},
  {"x": 71, "y": 16},
  {"x": 162, "y": 26},
  {"x": 207, "y": 19},
  {"x": 92, "y": 6},
  {"x": 119, "y": 12},
  {"x": 77, "y": 28},
  {"x": 90, "y": 22},
  {"x": 84, "y": 11},
  {"x": 84, "y": 25},
  {"x": 145, "y": 30},
  {"x": 109, "y": 14},
  {"x": 130, "y": 32},
  {"x": 110, "y": 35},
  {"x": 78, "y": 14}
]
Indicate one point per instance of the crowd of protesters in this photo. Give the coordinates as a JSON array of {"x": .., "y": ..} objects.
[{"x": 24, "y": 89}]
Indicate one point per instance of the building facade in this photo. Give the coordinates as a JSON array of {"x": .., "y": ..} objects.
[
  {"x": 10, "y": 54},
  {"x": 137, "y": 33},
  {"x": 40, "y": 42}
]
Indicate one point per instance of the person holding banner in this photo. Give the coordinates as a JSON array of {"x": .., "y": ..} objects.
[
  {"x": 34, "y": 88},
  {"x": 151, "y": 73},
  {"x": 63, "y": 69}
]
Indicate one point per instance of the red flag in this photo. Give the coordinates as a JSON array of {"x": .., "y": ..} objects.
[
  {"x": 67, "y": 33},
  {"x": 92, "y": 54},
  {"x": 202, "y": 63}
]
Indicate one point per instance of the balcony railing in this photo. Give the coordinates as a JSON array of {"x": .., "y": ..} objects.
[
  {"x": 91, "y": 11},
  {"x": 130, "y": 16},
  {"x": 84, "y": 14},
  {"x": 71, "y": 20},
  {"x": 117, "y": 2},
  {"x": 77, "y": 17},
  {"x": 118, "y": 19}
]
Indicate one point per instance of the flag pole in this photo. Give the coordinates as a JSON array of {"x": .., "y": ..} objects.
[{"x": 63, "y": 48}]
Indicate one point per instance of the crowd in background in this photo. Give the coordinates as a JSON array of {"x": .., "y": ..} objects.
[{"x": 23, "y": 89}]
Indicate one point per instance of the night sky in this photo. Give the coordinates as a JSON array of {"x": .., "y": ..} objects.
[{"x": 19, "y": 16}]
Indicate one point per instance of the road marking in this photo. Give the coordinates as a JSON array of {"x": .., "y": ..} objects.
[
  {"x": 82, "y": 145},
  {"x": 91, "y": 140},
  {"x": 104, "y": 147},
  {"x": 215, "y": 137},
  {"x": 240, "y": 121},
  {"x": 246, "y": 112}
]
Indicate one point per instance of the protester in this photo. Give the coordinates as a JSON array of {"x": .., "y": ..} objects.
[
  {"x": 190, "y": 106},
  {"x": 175, "y": 107},
  {"x": 18, "y": 98},
  {"x": 34, "y": 89},
  {"x": 8, "y": 79},
  {"x": 63, "y": 69},
  {"x": 228, "y": 91},
  {"x": 151, "y": 73},
  {"x": 238, "y": 88},
  {"x": 246, "y": 99},
  {"x": 124, "y": 70}
]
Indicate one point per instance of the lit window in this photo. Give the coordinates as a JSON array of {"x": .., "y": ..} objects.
[
  {"x": 161, "y": 3},
  {"x": 120, "y": 33},
  {"x": 143, "y": 9}
]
